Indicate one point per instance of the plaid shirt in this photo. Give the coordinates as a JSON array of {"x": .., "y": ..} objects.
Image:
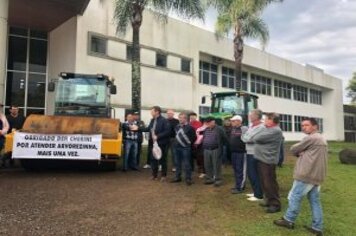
[{"x": 128, "y": 134}]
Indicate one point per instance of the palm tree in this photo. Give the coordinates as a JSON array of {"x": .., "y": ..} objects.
[
  {"x": 131, "y": 11},
  {"x": 243, "y": 17}
]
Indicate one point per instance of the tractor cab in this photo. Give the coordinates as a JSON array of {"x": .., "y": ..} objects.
[
  {"x": 82, "y": 95},
  {"x": 224, "y": 105}
]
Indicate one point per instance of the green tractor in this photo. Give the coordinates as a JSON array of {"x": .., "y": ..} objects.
[{"x": 225, "y": 105}]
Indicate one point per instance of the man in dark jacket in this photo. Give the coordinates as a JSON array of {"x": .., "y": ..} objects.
[
  {"x": 214, "y": 138},
  {"x": 238, "y": 153},
  {"x": 173, "y": 122},
  {"x": 185, "y": 137},
  {"x": 160, "y": 131}
]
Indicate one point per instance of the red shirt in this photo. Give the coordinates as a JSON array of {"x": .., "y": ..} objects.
[{"x": 196, "y": 124}]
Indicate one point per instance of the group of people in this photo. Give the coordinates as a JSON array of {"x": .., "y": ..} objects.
[
  {"x": 8, "y": 123},
  {"x": 255, "y": 152}
]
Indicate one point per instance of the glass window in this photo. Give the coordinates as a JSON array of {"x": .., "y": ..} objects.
[
  {"x": 35, "y": 111},
  {"x": 36, "y": 90},
  {"x": 298, "y": 123},
  {"x": 38, "y": 34},
  {"x": 161, "y": 60},
  {"x": 315, "y": 96},
  {"x": 285, "y": 122},
  {"x": 17, "y": 53},
  {"x": 244, "y": 81},
  {"x": 208, "y": 73},
  {"x": 228, "y": 78},
  {"x": 18, "y": 31},
  {"x": 98, "y": 44},
  {"x": 15, "y": 88},
  {"x": 38, "y": 56},
  {"x": 185, "y": 65},
  {"x": 300, "y": 93},
  {"x": 204, "y": 110},
  {"x": 260, "y": 84},
  {"x": 282, "y": 89}
]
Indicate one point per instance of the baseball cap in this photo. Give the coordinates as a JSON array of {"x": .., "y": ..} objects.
[{"x": 237, "y": 117}]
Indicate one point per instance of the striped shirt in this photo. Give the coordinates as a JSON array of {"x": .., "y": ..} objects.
[{"x": 210, "y": 140}]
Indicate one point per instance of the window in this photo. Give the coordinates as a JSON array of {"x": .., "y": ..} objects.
[
  {"x": 185, "y": 65},
  {"x": 320, "y": 123},
  {"x": 161, "y": 60},
  {"x": 204, "y": 110},
  {"x": 282, "y": 89},
  {"x": 228, "y": 78},
  {"x": 98, "y": 44},
  {"x": 349, "y": 123},
  {"x": 244, "y": 81},
  {"x": 129, "y": 49},
  {"x": 298, "y": 123},
  {"x": 285, "y": 122},
  {"x": 315, "y": 96},
  {"x": 208, "y": 73},
  {"x": 260, "y": 84},
  {"x": 300, "y": 93}
]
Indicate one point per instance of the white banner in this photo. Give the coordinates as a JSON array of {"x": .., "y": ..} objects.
[{"x": 56, "y": 146}]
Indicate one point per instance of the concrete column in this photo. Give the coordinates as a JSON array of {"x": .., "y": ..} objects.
[{"x": 4, "y": 11}]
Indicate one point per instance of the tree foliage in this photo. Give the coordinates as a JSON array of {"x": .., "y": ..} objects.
[{"x": 351, "y": 88}]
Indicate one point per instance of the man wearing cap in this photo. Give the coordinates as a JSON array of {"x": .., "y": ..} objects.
[
  {"x": 214, "y": 138},
  {"x": 4, "y": 127},
  {"x": 238, "y": 153}
]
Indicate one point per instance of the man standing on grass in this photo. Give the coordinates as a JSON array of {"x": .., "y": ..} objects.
[
  {"x": 185, "y": 137},
  {"x": 173, "y": 122},
  {"x": 256, "y": 125},
  {"x": 214, "y": 138},
  {"x": 267, "y": 147},
  {"x": 238, "y": 154},
  {"x": 309, "y": 173}
]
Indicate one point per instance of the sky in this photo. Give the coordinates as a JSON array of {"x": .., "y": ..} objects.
[{"x": 317, "y": 32}]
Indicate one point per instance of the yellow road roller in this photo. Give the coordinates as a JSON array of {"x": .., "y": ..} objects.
[{"x": 83, "y": 127}]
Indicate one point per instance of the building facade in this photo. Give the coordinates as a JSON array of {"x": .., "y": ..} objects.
[{"x": 180, "y": 64}]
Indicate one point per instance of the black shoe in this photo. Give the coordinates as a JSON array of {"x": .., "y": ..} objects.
[
  {"x": 236, "y": 191},
  {"x": 188, "y": 182},
  {"x": 134, "y": 168},
  {"x": 313, "y": 231},
  {"x": 284, "y": 223},
  {"x": 124, "y": 170},
  {"x": 208, "y": 182},
  {"x": 263, "y": 204},
  {"x": 176, "y": 180},
  {"x": 273, "y": 209}
]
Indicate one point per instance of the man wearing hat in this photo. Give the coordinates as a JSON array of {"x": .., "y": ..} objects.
[
  {"x": 4, "y": 127},
  {"x": 238, "y": 153},
  {"x": 214, "y": 138}
]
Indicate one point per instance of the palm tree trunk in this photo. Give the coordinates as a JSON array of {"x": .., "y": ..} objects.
[
  {"x": 136, "y": 22},
  {"x": 238, "y": 55}
]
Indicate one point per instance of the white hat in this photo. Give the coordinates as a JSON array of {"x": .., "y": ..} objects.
[{"x": 237, "y": 117}]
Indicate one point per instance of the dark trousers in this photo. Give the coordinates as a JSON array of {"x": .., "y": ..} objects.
[
  {"x": 239, "y": 166},
  {"x": 139, "y": 151},
  {"x": 253, "y": 176},
  {"x": 197, "y": 153},
  {"x": 163, "y": 162},
  {"x": 183, "y": 157},
  {"x": 269, "y": 183}
]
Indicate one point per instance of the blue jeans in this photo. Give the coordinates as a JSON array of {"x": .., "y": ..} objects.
[
  {"x": 295, "y": 197},
  {"x": 131, "y": 148},
  {"x": 239, "y": 166},
  {"x": 183, "y": 157},
  {"x": 253, "y": 176}
]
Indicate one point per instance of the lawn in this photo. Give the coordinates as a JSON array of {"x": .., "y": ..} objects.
[{"x": 236, "y": 216}]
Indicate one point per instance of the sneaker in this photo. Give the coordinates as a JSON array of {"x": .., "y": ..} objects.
[
  {"x": 236, "y": 191},
  {"x": 254, "y": 199},
  {"x": 284, "y": 223},
  {"x": 159, "y": 168},
  {"x": 173, "y": 169},
  {"x": 273, "y": 209},
  {"x": 147, "y": 166},
  {"x": 250, "y": 195},
  {"x": 202, "y": 175},
  {"x": 188, "y": 182},
  {"x": 208, "y": 182},
  {"x": 313, "y": 231},
  {"x": 176, "y": 180}
]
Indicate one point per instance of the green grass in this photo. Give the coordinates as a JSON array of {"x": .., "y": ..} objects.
[{"x": 234, "y": 215}]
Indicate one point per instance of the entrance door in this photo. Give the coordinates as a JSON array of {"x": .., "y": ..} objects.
[{"x": 26, "y": 70}]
